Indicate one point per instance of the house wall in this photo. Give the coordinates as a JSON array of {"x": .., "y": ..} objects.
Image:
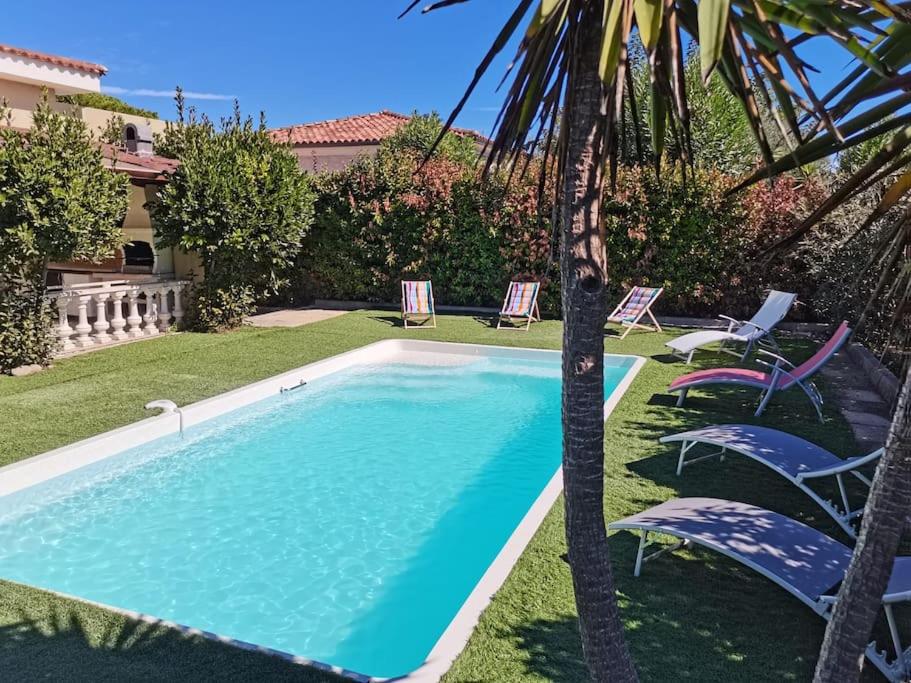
[
  {"x": 330, "y": 157},
  {"x": 22, "y": 98},
  {"x": 97, "y": 119}
]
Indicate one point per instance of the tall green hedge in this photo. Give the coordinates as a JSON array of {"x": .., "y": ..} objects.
[{"x": 394, "y": 217}]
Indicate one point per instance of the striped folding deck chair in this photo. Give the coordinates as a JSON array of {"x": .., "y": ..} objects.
[
  {"x": 520, "y": 307},
  {"x": 417, "y": 304},
  {"x": 636, "y": 305}
]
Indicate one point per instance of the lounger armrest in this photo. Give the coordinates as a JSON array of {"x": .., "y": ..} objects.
[
  {"x": 758, "y": 327},
  {"x": 779, "y": 360},
  {"x": 847, "y": 466},
  {"x": 731, "y": 321}
]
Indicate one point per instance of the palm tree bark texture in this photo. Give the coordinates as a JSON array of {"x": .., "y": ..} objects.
[
  {"x": 583, "y": 278},
  {"x": 885, "y": 518}
]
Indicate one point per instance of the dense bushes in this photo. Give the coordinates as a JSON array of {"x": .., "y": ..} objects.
[
  {"x": 391, "y": 218},
  {"x": 57, "y": 203},
  {"x": 239, "y": 201},
  {"x": 666, "y": 233}
]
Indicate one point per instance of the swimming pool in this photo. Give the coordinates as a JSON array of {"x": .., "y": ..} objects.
[{"x": 348, "y": 512}]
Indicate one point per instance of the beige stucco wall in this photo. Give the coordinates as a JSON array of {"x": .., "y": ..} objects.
[
  {"x": 330, "y": 157},
  {"x": 97, "y": 119},
  {"x": 22, "y": 98}
]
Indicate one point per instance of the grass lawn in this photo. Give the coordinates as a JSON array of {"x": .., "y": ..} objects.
[{"x": 692, "y": 615}]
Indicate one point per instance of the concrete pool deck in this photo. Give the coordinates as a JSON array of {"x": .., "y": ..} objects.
[{"x": 292, "y": 317}]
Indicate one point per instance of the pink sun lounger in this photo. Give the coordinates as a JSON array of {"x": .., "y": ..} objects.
[{"x": 782, "y": 375}]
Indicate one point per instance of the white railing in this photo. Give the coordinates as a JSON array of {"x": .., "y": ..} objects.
[{"x": 121, "y": 310}]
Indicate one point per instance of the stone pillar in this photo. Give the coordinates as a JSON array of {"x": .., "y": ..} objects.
[
  {"x": 164, "y": 313},
  {"x": 101, "y": 320},
  {"x": 117, "y": 320},
  {"x": 64, "y": 331},
  {"x": 83, "y": 340},
  {"x": 134, "y": 320},
  {"x": 178, "y": 303},
  {"x": 149, "y": 329}
]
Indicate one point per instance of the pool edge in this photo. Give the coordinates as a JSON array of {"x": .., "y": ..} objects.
[
  {"x": 59, "y": 461},
  {"x": 454, "y": 639}
]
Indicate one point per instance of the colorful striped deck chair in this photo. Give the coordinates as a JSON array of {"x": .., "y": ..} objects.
[
  {"x": 417, "y": 304},
  {"x": 520, "y": 307},
  {"x": 635, "y": 305}
]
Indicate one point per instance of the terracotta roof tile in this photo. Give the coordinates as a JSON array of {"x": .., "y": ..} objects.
[
  {"x": 64, "y": 62},
  {"x": 154, "y": 167},
  {"x": 351, "y": 130}
]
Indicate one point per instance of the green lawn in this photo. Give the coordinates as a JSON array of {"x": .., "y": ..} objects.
[{"x": 692, "y": 615}]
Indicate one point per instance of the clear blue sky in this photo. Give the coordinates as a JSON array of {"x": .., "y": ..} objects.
[{"x": 298, "y": 61}]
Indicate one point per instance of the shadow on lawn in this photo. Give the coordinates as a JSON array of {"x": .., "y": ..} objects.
[
  {"x": 63, "y": 640},
  {"x": 391, "y": 320},
  {"x": 672, "y": 627}
]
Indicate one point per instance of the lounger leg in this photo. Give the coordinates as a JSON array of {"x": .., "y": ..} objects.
[
  {"x": 643, "y": 542},
  {"x": 765, "y": 398},
  {"x": 844, "y": 494},
  {"x": 683, "y": 450},
  {"x": 747, "y": 352},
  {"x": 654, "y": 320},
  {"x": 689, "y": 359},
  {"x": 896, "y": 641},
  {"x": 682, "y": 396}
]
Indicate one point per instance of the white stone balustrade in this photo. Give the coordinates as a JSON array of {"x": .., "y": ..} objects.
[{"x": 120, "y": 310}]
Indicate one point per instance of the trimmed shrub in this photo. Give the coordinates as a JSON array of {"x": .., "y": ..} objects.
[
  {"x": 57, "y": 203},
  {"x": 241, "y": 203}
]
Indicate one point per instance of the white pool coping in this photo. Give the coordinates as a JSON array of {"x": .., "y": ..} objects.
[{"x": 60, "y": 461}]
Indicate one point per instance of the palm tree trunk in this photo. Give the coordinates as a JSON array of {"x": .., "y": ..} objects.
[
  {"x": 583, "y": 278},
  {"x": 884, "y": 520}
]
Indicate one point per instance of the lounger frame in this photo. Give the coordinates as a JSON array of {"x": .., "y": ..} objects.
[
  {"x": 760, "y": 334},
  {"x": 844, "y": 516},
  {"x": 646, "y": 311},
  {"x": 534, "y": 313},
  {"x": 430, "y": 316},
  {"x": 895, "y": 670}
]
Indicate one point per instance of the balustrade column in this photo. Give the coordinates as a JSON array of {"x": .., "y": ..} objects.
[
  {"x": 101, "y": 321},
  {"x": 178, "y": 304},
  {"x": 117, "y": 320},
  {"x": 83, "y": 340},
  {"x": 134, "y": 320},
  {"x": 64, "y": 331},
  {"x": 164, "y": 314},
  {"x": 149, "y": 328}
]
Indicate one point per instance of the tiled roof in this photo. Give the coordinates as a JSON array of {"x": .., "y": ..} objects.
[
  {"x": 352, "y": 130},
  {"x": 152, "y": 167},
  {"x": 64, "y": 62}
]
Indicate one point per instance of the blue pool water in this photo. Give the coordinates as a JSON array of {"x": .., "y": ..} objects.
[{"x": 346, "y": 521}]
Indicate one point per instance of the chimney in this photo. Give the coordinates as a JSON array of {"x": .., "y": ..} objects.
[{"x": 138, "y": 139}]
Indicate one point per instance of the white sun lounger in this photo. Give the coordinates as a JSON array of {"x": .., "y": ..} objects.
[
  {"x": 797, "y": 460},
  {"x": 805, "y": 562},
  {"x": 757, "y": 329}
]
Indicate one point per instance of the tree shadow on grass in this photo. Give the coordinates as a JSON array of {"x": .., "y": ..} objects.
[
  {"x": 43, "y": 636},
  {"x": 390, "y": 320}
]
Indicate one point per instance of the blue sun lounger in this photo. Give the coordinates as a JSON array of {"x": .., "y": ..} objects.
[
  {"x": 805, "y": 562},
  {"x": 797, "y": 460}
]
